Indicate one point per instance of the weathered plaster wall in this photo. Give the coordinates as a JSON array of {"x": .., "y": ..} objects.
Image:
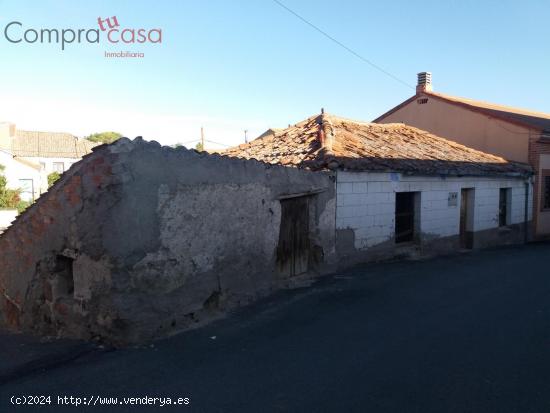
[
  {"x": 156, "y": 238},
  {"x": 365, "y": 219}
]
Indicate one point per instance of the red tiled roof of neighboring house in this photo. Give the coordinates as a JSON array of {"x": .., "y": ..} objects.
[
  {"x": 327, "y": 141},
  {"x": 49, "y": 145},
  {"x": 523, "y": 117}
]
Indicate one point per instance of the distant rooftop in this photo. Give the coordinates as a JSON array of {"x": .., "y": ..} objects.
[{"x": 45, "y": 144}]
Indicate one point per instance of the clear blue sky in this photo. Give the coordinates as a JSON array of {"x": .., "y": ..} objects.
[{"x": 235, "y": 65}]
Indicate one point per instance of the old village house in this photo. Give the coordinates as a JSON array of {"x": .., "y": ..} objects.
[{"x": 138, "y": 240}]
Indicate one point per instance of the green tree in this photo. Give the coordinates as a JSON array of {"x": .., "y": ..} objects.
[
  {"x": 104, "y": 137},
  {"x": 199, "y": 147},
  {"x": 54, "y": 176},
  {"x": 10, "y": 198}
]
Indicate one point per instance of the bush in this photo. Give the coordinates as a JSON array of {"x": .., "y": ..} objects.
[
  {"x": 54, "y": 176},
  {"x": 104, "y": 137},
  {"x": 22, "y": 205},
  {"x": 9, "y": 198}
]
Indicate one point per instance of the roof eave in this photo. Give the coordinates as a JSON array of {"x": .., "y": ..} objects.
[
  {"x": 467, "y": 106},
  {"x": 444, "y": 173},
  {"x": 486, "y": 112},
  {"x": 396, "y": 108}
]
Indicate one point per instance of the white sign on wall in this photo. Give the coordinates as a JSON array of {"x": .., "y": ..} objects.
[{"x": 453, "y": 199}]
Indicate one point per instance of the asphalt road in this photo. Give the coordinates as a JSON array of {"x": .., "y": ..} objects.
[{"x": 468, "y": 333}]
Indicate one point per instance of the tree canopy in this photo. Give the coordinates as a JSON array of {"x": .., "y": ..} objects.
[{"x": 104, "y": 137}]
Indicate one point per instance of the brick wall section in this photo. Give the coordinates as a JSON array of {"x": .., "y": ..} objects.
[
  {"x": 366, "y": 204},
  {"x": 48, "y": 225}
]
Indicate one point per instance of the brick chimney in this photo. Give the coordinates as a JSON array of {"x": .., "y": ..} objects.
[{"x": 424, "y": 82}]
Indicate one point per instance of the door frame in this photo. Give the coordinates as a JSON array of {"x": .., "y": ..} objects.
[{"x": 467, "y": 214}]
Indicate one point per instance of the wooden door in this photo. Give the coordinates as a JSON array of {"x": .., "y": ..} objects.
[{"x": 293, "y": 248}]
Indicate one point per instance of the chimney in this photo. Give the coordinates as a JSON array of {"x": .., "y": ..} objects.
[{"x": 424, "y": 82}]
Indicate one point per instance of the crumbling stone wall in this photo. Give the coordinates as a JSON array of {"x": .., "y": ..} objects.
[{"x": 138, "y": 240}]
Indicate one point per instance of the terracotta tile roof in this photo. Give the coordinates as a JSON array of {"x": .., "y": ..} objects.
[
  {"x": 327, "y": 141},
  {"x": 531, "y": 119},
  {"x": 49, "y": 145}
]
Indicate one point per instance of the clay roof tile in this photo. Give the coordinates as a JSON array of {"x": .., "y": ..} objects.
[{"x": 373, "y": 147}]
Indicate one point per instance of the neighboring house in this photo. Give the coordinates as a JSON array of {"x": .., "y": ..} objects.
[
  {"x": 270, "y": 132},
  {"x": 515, "y": 134},
  {"x": 49, "y": 151},
  {"x": 22, "y": 174},
  {"x": 397, "y": 184}
]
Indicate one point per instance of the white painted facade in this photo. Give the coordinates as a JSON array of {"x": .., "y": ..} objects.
[
  {"x": 53, "y": 164},
  {"x": 366, "y": 204},
  {"x": 21, "y": 175},
  {"x": 18, "y": 174},
  {"x": 7, "y": 216}
]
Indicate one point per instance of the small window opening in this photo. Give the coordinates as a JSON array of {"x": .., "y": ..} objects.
[
  {"x": 64, "y": 268},
  {"x": 504, "y": 207},
  {"x": 59, "y": 167}
]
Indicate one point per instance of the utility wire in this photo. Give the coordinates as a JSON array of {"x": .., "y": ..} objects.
[
  {"x": 328, "y": 36},
  {"x": 218, "y": 143},
  {"x": 206, "y": 140},
  {"x": 185, "y": 143}
]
